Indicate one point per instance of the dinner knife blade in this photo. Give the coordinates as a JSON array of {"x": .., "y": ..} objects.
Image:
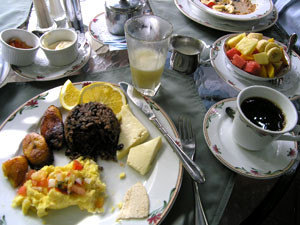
[{"x": 139, "y": 100}]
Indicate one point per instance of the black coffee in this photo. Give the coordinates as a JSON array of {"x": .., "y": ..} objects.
[{"x": 263, "y": 113}]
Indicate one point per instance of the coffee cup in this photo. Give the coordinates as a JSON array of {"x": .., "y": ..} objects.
[{"x": 264, "y": 115}]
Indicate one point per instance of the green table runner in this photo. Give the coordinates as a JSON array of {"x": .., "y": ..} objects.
[
  {"x": 13, "y": 13},
  {"x": 181, "y": 24},
  {"x": 178, "y": 95}
]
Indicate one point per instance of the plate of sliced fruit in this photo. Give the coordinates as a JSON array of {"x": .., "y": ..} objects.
[
  {"x": 288, "y": 84},
  {"x": 256, "y": 57}
]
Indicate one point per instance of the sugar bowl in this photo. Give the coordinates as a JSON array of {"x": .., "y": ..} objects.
[{"x": 117, "y": 12}]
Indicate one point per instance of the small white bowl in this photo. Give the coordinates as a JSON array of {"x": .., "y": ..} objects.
[
  {"x": 19, "y": 56},
  {"x": 62, "y": 56}
]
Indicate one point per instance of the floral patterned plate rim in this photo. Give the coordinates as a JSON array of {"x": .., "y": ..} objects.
[
  {"x": 271, "y": 162},
  {"x": 162, "y": 182},
  {"x": 289, "y": 85},
  {"x": 199, "y": 16},
  {"x": 41, "y": 70}
]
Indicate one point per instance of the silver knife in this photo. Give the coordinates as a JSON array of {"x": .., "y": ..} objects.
[{"x": 138, "y": 99}]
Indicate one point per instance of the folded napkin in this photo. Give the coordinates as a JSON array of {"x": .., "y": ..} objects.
[
  {"x": 178, "y": 95},
  {"x": 13, "y": 13}
]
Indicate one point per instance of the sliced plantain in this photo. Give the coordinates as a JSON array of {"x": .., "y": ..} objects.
[
  {"x": 261, "y": 45},
  {"x": 271, "y": 45},
  {"x": 274, "y": 54}
]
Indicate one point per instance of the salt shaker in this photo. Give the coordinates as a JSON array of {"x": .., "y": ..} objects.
[
  {"x": 56, "y": 10},
  {"x": 45, "y": 22},
  {"x": 73, "y": 11}
]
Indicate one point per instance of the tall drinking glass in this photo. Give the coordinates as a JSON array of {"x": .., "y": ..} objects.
[{"x": 148, "y": 39}]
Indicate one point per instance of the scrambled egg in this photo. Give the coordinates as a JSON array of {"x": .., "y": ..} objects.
[{"x": 77, "y": 183}]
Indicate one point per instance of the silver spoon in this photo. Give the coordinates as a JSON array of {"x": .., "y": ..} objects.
[{"x": 292, "y": 41}]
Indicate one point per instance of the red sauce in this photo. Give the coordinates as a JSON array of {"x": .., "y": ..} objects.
[{"x": 17, "y": 43}]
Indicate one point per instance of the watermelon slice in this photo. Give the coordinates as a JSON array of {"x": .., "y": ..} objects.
[
  {"x": 231, "y": 52},
  {"x": 238, "y": 61},
  {"x": 252, "y": 67}
]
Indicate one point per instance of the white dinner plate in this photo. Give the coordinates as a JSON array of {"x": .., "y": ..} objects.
[
  {"x": 289, "y": 85},
  {"x": 263, "y": 9},
  {"x": 41, "y": 70},
  {"x": 205, "y": 19},
  {"x": 162, "y": 182},
  {"x": 270, "y": 162},
  {"x": 99, "y": 32}
]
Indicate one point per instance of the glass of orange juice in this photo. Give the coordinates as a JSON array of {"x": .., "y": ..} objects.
[{"x": 148, "y": 39}]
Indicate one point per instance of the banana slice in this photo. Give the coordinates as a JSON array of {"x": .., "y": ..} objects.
[
  {"x": 257, "y": 36},
  {"x": 271, "y": 45},
  {"x": 274, "y": 54},
  {"x": 229, "y": 8},
  {"x": 261, "y": 45}
]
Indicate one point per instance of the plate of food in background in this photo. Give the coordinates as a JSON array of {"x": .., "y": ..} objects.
[{"x": 244, "y": 10}]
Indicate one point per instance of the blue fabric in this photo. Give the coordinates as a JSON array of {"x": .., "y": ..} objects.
[
  {"x": 13, "y": 13},
  {"x": 289, "y": 16}
]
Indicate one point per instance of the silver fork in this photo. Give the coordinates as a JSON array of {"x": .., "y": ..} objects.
[{"x": 189, "y": 147}]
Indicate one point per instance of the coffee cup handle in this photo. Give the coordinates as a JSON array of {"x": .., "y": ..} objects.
[{"x": 296, "y": 137}]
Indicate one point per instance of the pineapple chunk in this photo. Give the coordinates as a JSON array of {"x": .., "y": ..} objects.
[
  {"x": 270, "y": 70},
  {"x": 248, "y": 57},
  {"x": 247, "y": 45},
  {"x": 232, "y": 42},
  {"x": 261, "y": 58},
  {"x": 263, "y": 72}
]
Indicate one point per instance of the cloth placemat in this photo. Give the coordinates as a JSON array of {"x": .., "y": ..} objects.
[
  {"x": 178, "y": 95},
  {"x": 13, "y": 13}
]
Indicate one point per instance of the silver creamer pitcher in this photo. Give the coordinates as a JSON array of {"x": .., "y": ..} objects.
[{"x": 187, "y": 53}]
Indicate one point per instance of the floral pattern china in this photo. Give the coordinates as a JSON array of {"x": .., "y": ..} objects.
[
  {"x": 41, "y": 70},
  {"x": 162, "y": 192},
  {"x": 187, "y": 8},
  {"x": 270, "y": 162},
  {"x": 263, "y": 9},
  {"x": 289, "y": 85}
]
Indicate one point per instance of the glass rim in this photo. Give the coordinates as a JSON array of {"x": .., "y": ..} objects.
[{"x": 168, "y": 34}]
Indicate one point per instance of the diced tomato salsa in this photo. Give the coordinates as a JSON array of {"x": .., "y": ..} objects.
[{"x": 77, "y": 165}]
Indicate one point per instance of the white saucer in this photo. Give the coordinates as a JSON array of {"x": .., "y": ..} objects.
[
  {"x": 271, "y": 162},
  {"x": 203, "y": 18},
  {"x": 41, "y": 70},
  {"x": 99, "y": 32},
  {"x": 290, "y": 84}
]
